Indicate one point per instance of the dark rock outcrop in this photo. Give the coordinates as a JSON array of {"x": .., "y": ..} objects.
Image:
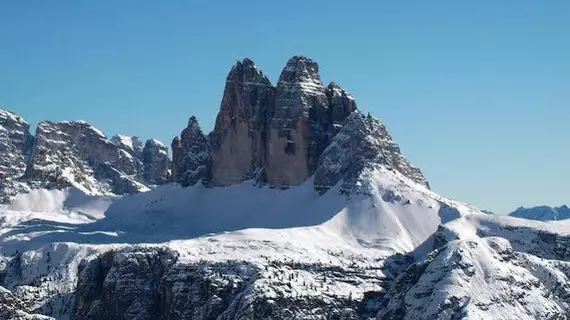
[
  {"x": 191, "y": 156},
  {"x": 15, "y": 147},
  {"x": 239, "y": 139},
  {"x": 152, "y": 283},
  {"x": 156, "y": 162}
]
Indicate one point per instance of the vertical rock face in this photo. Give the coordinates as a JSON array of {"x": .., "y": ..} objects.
[
  {"x": 295, "y": 134},
  {"x": 15, "y": 146},
  {"x": 156, "y": 162},
  {"x": 191, "y": 156},
  {"x": 239, "y": 137},
  {"x": 341, "y": 104}
]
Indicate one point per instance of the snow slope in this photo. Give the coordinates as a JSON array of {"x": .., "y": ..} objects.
[
  {"x": 52, "y": 231},
  {"x": 295, "y": 248}
]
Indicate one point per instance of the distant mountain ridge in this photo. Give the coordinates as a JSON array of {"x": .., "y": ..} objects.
[
  {"x": 542, "y": 213},
  {"x": 75, "y": 153}
]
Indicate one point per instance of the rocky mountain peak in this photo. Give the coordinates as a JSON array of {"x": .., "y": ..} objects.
[
  {"x": 246, "y": 72},
  {"x": 362, "y": 142},
  {"x": 191, "y": 156},
  {"x": 75, "y": 153},
  {"x": 301, "y": 70},
  {"x": 278, "y": 135}
]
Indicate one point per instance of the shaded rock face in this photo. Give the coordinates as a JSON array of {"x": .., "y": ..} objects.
[
  {"x": 15, "y": 146},
  {"x": 362, "y": 141},
  {"x": 156, "y": 162},
  {"x": 65, "y": 154},
  {"x": 191, "y": 156},
  {"x": 239, "y": 138}
]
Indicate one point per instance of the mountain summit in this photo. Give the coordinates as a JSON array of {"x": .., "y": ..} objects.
[{"x": 276, "y": 135}]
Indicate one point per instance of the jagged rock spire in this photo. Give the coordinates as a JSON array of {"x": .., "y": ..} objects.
[
  {"x": 239, "y": 138},
  {"x": 191, "y": 156}
]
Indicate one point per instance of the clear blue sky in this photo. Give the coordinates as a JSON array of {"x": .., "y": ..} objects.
[{"x": 477, "y": 93}]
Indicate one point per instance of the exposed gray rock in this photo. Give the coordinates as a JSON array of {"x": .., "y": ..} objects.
[
  {"x": 15, "y": 147},
  {"x": 156, "y": 163},
  {"x": 65, "y": 154},
  {"x": 295, "y": 134},
  {"x": 362, "y": 141},
  {"x": 341, "y": 104},
  {"x": 77, "y": 154},
  {"x": 132, "y": 145},
  {"x": 191, "y": 156},
  {"x": 151, "y": 283},
  {"x": 239, "y": 139},
  {"x": 11, "y": 308}
]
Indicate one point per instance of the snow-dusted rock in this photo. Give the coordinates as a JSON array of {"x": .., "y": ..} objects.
[
  {"x": 391, "y": 249},
  {"x": 11, "y": 308},
  {"x": 132, "y": 145},
  {"x": 156, "y": 163},
  {"x": 151, "y": 283},
  {"x": 15, "y": 147},
  {"x": 542, "y": 213},
  {"x": 362, "y": 142},
  {"x": 77, "y": 154},
  {"x": 65, "y": 154},
  {"x": 191, "y": 156},
  {"x": 341, "y": 104}
]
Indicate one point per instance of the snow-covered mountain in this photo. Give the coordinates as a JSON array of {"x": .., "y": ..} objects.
[
  {"x": 65, "y": 154},
  {"x": 296, "y": 206},
  {"x": 542, "y": 213}
]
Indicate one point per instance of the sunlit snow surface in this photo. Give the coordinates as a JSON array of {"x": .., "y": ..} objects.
[{"x": 54, "y": 230}]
